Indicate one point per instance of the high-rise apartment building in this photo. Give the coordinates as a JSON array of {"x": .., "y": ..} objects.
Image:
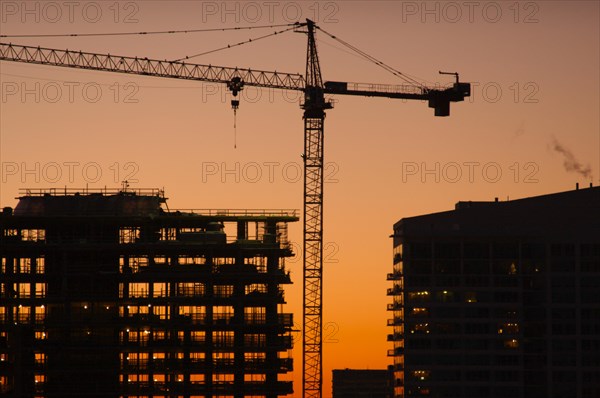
[{"x": 499, "y": 299}]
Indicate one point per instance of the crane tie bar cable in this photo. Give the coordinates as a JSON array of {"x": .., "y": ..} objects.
[
  {"x": 160, "y": 32},
  {"x": 235, "y": 45},
  {"x": 377, "y": 62}
]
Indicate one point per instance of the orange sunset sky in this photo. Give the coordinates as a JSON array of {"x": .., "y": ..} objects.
[{"x": 534, "y": 67}]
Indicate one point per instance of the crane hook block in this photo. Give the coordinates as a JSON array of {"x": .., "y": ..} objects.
[{"x": 235, "y": 85}]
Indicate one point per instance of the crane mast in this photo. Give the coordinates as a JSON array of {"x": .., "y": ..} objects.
[
  {"x": 312, "y": 307},
  {"x": 314, "y": 106}
]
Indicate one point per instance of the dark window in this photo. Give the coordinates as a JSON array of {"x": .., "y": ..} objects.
[
  {"x": 447, "y": 250},
  {"x": 507, "y": 360},
  {"x": 417, "y": 267},
  {"x": 564, "y": 296},
  {"x": 476, "y": 267},
  {"x": 419, "y": 250},
  {"x": 505, "y": 250},
  {"x": 477, "y": 328},
  {"x": 535, "y": 251},
  {"x": 477, "y": 360},
  {"x": 477, "y": 281},
  {"x": 476, "y": 250},
  {"x": 411, "y": 281},
  {"x": 478, "y": 344},
  {"x": 476, "y": 312},
  {"x": 447, "y": 280},
  {"x": 506, "y": 281},
  {"x": 590, "y": 345},
  {"x": 418, "y": 343},
  {"x": 447, "y": 267},
  {"x": 564, "y": 345},
  {"x": 557, "y": 265},
  {"x": 590, "y": 250},
  {"x": 477, "y": 375},
  {"x": 563, "y": 313},
  {"x": 447, "y": 344},
  {"x": 506, "y": 297}
]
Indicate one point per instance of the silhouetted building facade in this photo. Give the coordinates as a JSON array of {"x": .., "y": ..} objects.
[
  {"x": 362, "y": 383},
  {"x": 107, "y": 294},
  {"x": 499, "y": 299}
]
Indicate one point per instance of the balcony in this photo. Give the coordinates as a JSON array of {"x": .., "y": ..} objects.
[
  {"x": 395, "y": 306},
  {"x": 394, "y": 291},
  {"x": 398, "y": 366},
  {"x": 284, "y": 342},
  {"x": 286, "y": 320},
  {"x": 395, "y": 351},
  {"x": 394, "y": 337},
  {"x": 396, "y": 321},
  {"x": 394, "y": 276}
]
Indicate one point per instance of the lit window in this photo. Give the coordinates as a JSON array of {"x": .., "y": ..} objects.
[
  {"x": 421, "y": 374},
  {"x": 512, "y": 343},
  {"x": 421, "y": 328},
  {"x": 420, "y": 311},
  {"x": 471, "y": 297},
  {"x": 508, "y": 328},
  {"x": 419, "y": 296}
]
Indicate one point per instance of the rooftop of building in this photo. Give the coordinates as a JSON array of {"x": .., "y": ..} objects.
[
  {"x": 361, "y": 372},
  {"x": 125, "y": 202},
  {"x": 574, "y": 213}
]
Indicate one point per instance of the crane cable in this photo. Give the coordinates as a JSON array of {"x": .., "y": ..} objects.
[
  {"x": 234, "y": 129},
  {"x": 290, "y": 25},
  {"x": 377, "y": 62},
  {"x": 159, "y": 32},
  {"x": 234, "y": 45}
]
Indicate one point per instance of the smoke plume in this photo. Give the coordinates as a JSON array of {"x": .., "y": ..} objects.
[{"x": 570, "y": 163}]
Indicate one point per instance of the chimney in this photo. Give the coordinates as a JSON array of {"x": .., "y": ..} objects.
[{"x": 577, "y": 186}]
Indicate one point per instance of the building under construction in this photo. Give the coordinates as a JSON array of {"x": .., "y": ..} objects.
[{"x": 110, "y": 294}]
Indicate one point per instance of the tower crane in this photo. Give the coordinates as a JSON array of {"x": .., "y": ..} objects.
[{"x": 314, "y": 105}]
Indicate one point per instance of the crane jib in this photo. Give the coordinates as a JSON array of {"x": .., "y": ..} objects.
[
  {"x": 438, "y": 98},
  {"x": 150, "y": 67}
]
